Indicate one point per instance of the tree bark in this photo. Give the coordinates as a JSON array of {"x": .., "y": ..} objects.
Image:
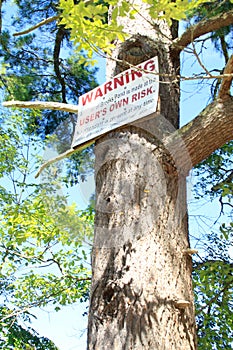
[
  {"x": 203, "y": 27},
  {"x": 42, "y": 105},
  {"x": 141, "y": 288},
  {"x": 210, "y": 130},
  {"x": 141, "y": 294}
]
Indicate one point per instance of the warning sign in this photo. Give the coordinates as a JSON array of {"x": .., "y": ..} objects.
[{"x": 129, "y": 96}]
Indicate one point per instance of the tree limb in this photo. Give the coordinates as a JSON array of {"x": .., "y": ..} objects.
[
  {"x": 203, "y": 27},
  {"x": 214, "y": 299},
  {"x": 56, "y": 57},
  {"x": 38, "y": 25},
  {"x": 227, "y": 180},
  {"x": 42, "y": 105},
  {"x": 200, "y": 137},
  {"x": 210, "y": 130},
  {"x": 0, "y": 16},
  {"x": 61, "y": 156},
  {"x": 51, "y": 161},
  {"x": 224, "y": 91}
]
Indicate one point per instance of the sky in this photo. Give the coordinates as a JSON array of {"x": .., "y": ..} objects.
[{"x": 67, "y": 328}]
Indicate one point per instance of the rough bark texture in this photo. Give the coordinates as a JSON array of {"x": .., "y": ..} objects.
[
  {"x": 42, "y": 105},
  {"x": 141, "y": 296},
  {"x": 141, "y": 289},
  {"x": 203, "y": 27},
  {"x": 224, "y": 91}
]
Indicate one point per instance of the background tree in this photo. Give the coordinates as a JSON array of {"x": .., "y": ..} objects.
[
  {"x": 39, "y": 67},
  {"x": 213, "y": 268},
  {"x": 43, "y": 260},
  {"x": 42, "y": 65}
]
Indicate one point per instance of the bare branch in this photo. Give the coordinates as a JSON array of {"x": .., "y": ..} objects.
[
  {"x": 56, "y": 54},
  {"x": 199, "y": 61},
  {"x": 61, "y": 156},
  {"x": 0, "y": 16},
  {"x": 38, "y": 25},
  {"x": 224, "y": 91},
  {"x": 203, "y": 27},
  {"x": 42, "y": 105}
]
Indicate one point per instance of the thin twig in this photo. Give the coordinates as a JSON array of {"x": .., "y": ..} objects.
[
  {"x": 61, "y": 156},
  {"x": 38, "y": 25},
  {"x": 199, "y": 60}
]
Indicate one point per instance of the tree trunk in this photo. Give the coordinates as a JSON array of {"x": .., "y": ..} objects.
[{"x": 141, "y": 295}]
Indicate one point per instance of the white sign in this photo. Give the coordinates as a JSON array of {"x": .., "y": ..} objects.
[{"x": 129, "y": 96}]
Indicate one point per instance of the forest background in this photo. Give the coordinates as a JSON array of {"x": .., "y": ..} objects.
[{"x": 46, "y": 237}]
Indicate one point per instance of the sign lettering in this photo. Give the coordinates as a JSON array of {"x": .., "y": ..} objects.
[{"x": 129, "y": 96}]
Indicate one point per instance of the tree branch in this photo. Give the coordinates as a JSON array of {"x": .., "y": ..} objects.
[
  {"x": 210, "y": 130},
  {"x": 224, "y": 91},
  {"x": 61, "y": 156},
  {"x": 203, "y": 27},
  {"x": 227, "y": 180},
  {"x": 56, "y": 55},
  {"x": 0, "y": 16},
  {"x": 214, "y": 299},
  {"x": 51, "y": 161},
  {"x": 202, "y": 136},
  {"x": 42, "y": 105},
  {"x": 38, "y": 25}
]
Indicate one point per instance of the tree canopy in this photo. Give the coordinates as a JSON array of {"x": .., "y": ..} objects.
[{"x": 43, "y": 258}]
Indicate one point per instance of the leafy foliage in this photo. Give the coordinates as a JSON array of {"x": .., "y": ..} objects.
[
  {"x": 43, "y": 259},
  {"x": 14, "y": 336},
  {"x": 216, "y": 174},
  {"x": 213, "y": 284},
  {"x": 42, "y": 66},
  {"x": 91, "y": 33}
]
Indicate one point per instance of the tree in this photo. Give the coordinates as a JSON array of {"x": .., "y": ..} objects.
[
  {"x": 15, "y": 336},
  {"x": 43, "y": 261},
  {"x": 141, "y": 287},
  {"x": 129, "y": 309},
  {"x": 212, "y": 270},
  {"x": 38, "y": 67},
  {"x": 35, "y": 67}
]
